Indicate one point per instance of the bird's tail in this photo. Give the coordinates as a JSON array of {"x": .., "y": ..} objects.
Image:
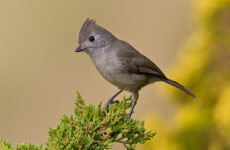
[{"x": 177, "y": 85}]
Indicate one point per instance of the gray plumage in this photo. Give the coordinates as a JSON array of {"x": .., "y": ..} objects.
[{"x": 118, "y": 62}]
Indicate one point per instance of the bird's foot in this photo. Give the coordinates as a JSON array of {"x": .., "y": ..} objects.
[
  {"x": 115, "y": 101},
  {"x": 129, "y": 115},
  {"x": 110, "y": 101}
]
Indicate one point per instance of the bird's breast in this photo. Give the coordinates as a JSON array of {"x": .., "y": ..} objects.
[
  {"x": 110, "y": 68},
  {"x": 107, "y": 66}
]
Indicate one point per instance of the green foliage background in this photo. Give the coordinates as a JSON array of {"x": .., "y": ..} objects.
[
  {"x": 92, "y": 128},
  {"x": 204, "y": 67}
]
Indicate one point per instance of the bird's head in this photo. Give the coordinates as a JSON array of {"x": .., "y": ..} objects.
[{"x": 93, "y": 37}]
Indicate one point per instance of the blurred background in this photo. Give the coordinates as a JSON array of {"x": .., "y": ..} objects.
[{"x": 189, "y": 40}]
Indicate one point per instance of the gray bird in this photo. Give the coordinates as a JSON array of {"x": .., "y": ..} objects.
[{"x": 120, "y": 63}]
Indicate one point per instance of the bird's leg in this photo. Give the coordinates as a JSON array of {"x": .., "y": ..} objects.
[
  {"x": 110, "y": 101},
  {"x": 131, "y": 111},
  {"x": 135, "y": 97}
]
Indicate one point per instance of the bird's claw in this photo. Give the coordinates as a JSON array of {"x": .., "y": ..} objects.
[
  {"x": 111, "y": 102},
  {"x": 115, "y": 101}
]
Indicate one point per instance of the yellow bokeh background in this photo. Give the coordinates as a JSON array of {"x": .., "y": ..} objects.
[{"x": 204, "y": 65}]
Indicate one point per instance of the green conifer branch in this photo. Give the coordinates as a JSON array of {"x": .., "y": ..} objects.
[{"x": 93, "y": 127}]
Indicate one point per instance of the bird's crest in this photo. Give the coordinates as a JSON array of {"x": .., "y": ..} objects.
[{"x": 86, "y": 28}]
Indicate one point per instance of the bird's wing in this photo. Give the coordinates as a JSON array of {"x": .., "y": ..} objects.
[{"x": 134, "y": 62}]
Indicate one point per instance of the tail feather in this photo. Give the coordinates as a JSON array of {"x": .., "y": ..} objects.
[{"x": 177, "y": 85}]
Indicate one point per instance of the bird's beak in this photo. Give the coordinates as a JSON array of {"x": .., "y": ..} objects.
[{"x": 79, "y": 48}]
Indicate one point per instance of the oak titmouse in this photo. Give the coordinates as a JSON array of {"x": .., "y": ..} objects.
[{"x": 120, "y": 63}]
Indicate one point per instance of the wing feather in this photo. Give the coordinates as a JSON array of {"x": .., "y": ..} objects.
[{"x": 133, "y": 61}]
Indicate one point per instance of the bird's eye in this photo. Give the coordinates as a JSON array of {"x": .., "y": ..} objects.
[{"x": 91, "y": 38}]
